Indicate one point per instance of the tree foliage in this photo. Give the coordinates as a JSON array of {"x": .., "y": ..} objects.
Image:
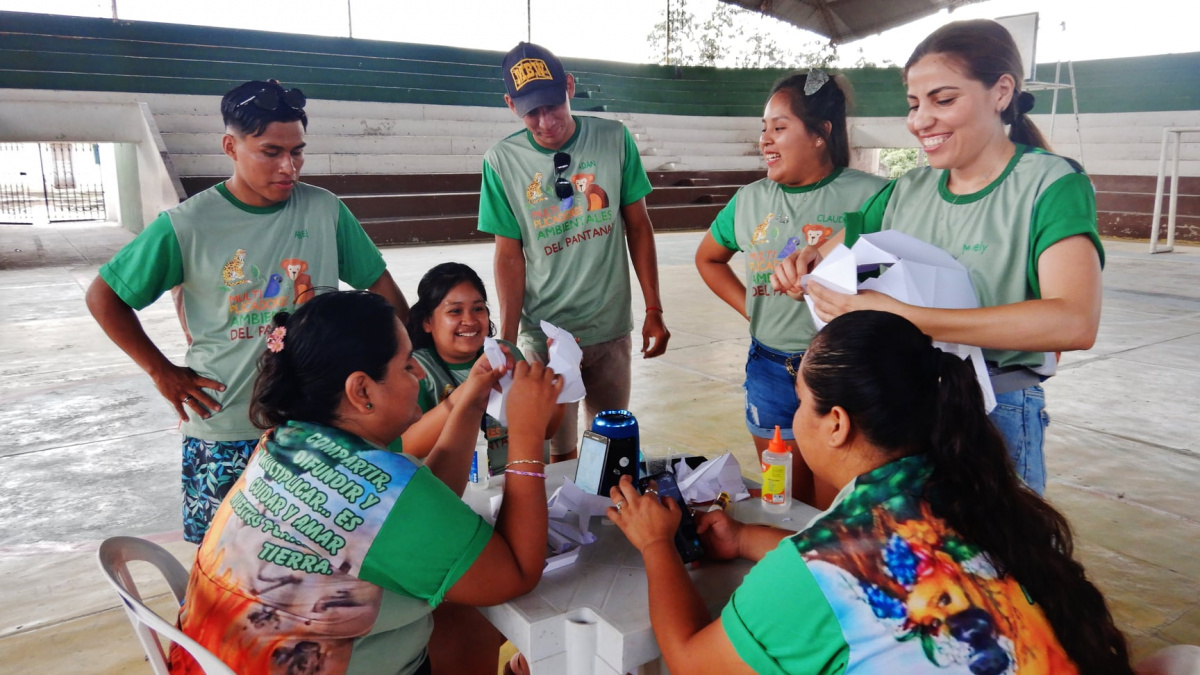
[
  {"x": 731, "y": 37},
  {"x": 898, "y": 161}
]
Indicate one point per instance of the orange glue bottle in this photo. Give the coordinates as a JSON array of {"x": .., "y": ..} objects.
[{"x": 777, "y": 475}]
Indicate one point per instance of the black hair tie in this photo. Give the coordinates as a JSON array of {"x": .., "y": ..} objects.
[{"x": 1025, "y": 101}]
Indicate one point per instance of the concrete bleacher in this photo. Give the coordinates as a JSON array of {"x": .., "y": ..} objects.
[{"x": 401, "y": 111}]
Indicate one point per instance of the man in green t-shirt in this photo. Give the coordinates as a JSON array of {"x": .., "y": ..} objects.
[
  {"x": 565, "y": 199},
  {"x": 239, "y": 252}
]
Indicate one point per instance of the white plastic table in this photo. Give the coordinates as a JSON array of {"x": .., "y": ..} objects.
[{"x": 592, "y": 617}]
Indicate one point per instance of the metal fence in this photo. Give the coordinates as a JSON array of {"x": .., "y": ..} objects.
[{"x": 57, "y": 181}]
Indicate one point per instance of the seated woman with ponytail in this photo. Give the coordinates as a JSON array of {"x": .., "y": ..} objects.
[
  {"x": 331, "y": 552},
  {"x": 934, "y": 558}
]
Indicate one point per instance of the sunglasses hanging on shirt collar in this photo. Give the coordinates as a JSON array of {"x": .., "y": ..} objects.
[
  {"x": 562, "y": 187},
  {"x": 269, "y": 98}
]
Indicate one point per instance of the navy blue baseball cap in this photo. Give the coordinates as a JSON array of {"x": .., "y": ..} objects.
[{"x": 533, "y": 77}]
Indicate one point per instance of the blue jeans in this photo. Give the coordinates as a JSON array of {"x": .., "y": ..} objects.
[
  {"x": 770, "y": 391},
  {"x": 1021, "y": 418}
]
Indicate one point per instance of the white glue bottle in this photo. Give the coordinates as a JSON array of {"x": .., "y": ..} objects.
[
  {"x": 478, "y": 478},
  {"x": 777, "y": 475}
]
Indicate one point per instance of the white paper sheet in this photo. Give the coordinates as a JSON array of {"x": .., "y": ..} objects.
[
  {"x": 710, "y": 479},
  {"x": 565, "y": 357},
  {"x": 497, "y": 399},
  {"x": 918, "y": 273},
  {"x": 570, "y": 510}
]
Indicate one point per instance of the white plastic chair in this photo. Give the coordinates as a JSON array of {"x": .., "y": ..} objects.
[
  {"x": 114, "y": 555},
  {"x": 1173, "y": 660}
]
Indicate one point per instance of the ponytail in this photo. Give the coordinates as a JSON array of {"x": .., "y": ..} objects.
[
  {"x": 1021, "y": 128},
  {"x": 906, "y": 396},
  {"x": 272, "y": 403},
  {"x": 303, "y": 369}
]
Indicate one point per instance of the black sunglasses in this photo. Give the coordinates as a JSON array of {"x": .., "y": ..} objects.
[
  {"x": 269, "y": 98},
  {"x": 562, "y": 187}
]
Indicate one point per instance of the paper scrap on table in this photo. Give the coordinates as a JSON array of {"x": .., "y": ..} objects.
[
  {"x": 497, "y": 399},
  {"x": 918, "y": 273},
  {"x": 714, "y": 476},
  {"x": 569, "y": 509},
  {"x": 565, "y": 357}
]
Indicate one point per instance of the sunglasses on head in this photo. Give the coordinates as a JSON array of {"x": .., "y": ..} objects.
[
  {"x": 562, "y": 187},
  {"x": 268, "y": 98}
]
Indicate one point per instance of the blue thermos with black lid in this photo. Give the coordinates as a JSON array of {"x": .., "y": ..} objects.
[{"x": 608, "y": 451}]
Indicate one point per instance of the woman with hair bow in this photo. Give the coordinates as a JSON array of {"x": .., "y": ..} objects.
[{"x": 1020, "y": 219}]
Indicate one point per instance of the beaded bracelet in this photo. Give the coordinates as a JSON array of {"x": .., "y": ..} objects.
[
  {"x": 526, "y": 473},
  {"x": 525, "y": 461}
]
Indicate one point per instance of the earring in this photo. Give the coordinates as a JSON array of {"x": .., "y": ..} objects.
[
  {"x": 369, "y": 406},
  {"x": 820, "y": 142}
]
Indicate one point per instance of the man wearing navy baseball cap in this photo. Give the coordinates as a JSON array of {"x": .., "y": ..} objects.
[{"x": 566, "y": 200}]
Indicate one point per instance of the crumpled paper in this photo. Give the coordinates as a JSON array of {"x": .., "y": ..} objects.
[
  {"x": 710, "y": 479},
  {"x": 570, "y": 510},
  {"x": 565, "y": 357}
]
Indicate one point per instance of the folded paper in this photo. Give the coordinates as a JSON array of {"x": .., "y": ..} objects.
[
  {"x": 917, "y": 273},
  {"x": 565, "y": 357},
  {"x": 714, "y": 476}
]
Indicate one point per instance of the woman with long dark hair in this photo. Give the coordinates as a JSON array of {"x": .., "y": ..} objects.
[
  {"x": 1020, "y": 219},
  {"x": 331, "y": 552},
  {"x": 448, "y": 324},
  {"x": 800, "y": 202},
  {"x": 934, "y": 558}
]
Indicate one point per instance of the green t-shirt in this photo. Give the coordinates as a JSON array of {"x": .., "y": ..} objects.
[
  {"x": 879, "y": 584},
  {"x": 328, "y": 544},
  {"x": 767, "y": 221},
  {"x": 576, "y": 258},
  {"x": 441, "y": 378},
  {"x": 998, "y": 233},
  {"x": 239, "y": 265}
]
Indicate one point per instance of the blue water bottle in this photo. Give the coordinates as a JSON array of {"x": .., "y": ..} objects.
[{"x": 621, "y": 428}]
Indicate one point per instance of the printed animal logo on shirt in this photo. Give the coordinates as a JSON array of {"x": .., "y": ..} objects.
[
  {"x": 273, "y": 286},
  {"x": 534, "y": 193},
  {"x": 596, "y": 197},
  {"x": 302, "y": 286},
  {"x": 760, "y": 231},
  {"x": 815, "y": 235},
  {"x": 233, "y": 273}
]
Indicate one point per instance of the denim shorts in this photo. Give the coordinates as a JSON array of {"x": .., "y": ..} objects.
[
  {"x": 770, "y": 390},
  {"x": 1021, "y": 418}
]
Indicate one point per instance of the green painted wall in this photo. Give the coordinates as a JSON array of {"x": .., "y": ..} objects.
[{"x": 40, "y": 51}]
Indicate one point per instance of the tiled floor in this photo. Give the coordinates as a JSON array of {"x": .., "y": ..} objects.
[{"x": 89, "y": 450}]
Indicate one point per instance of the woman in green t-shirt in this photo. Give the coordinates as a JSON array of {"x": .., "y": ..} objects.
[
  {"x": 808, "y": 187},
  {"x": 1020, "y": 219},
  {"x": 448, "y": 324},
  {"x": 934, "y": 558},
  {"x": 331, "y": 552}
]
